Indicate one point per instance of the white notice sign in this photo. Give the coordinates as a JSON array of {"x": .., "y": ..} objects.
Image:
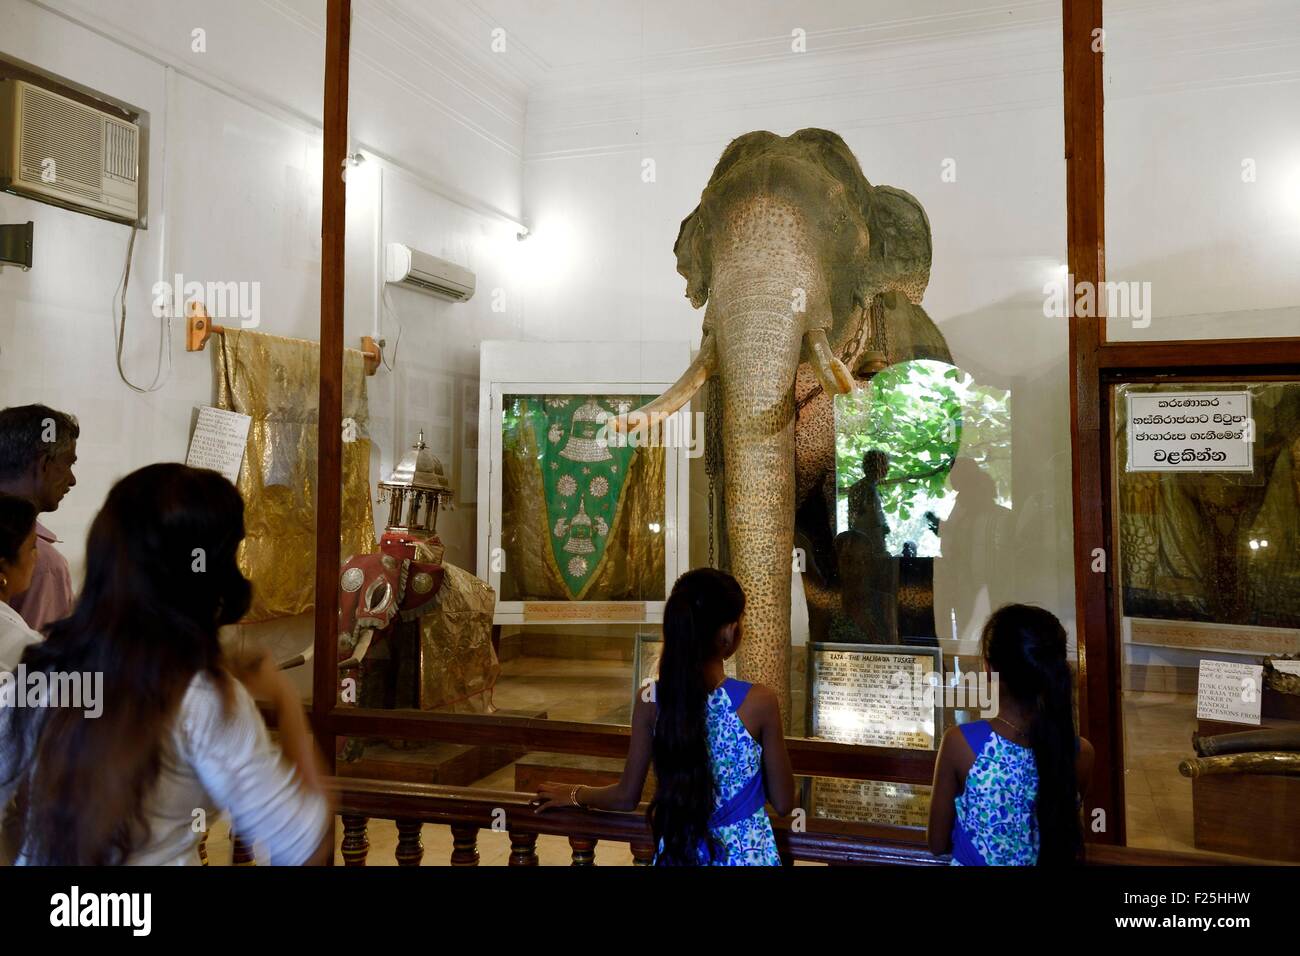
[
  {"x": 219, "y": 440},
  {"x": 1229, "y": 691},
  {"x": 1190, "y": 431}
]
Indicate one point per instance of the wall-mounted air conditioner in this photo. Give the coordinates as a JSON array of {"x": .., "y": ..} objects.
[
  {"x": 419, "y": 270},
  {"x": 60, "y": 151}
]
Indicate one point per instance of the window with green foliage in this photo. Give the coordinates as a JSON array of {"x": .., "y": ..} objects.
[{"x": 922, "y": 415}]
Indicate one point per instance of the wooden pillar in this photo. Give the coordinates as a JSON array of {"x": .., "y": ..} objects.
[
  {"x": 356, "y": 842},
  {"x": 464, "y": 845},
  {"x": 523, "y": 848},
  {"x": 1100, "y": 715},
  {"x": 643, "y": 854},
  {"x": 584, "y": 851},
  {"x": 410, "y": 847}
]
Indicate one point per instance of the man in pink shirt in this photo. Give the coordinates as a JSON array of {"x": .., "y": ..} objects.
[{"x": 38, "y": 447}]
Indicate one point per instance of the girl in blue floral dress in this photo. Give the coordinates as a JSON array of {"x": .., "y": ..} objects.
[
  {"x": 1007, "y": 790},
  {"x": 717, "y": 744}
]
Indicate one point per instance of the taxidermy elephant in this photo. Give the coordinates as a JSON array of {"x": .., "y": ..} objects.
[{"x": 792, "y": 249}]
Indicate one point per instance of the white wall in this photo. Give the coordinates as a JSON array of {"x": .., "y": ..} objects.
[
  {"x": 1203, "y": 166},
  {"x": 234, "y": 195}
]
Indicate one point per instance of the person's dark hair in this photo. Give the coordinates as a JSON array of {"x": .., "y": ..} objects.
[
  {"x": 161, "y": 578},
  {"x": 30, "y": 431},
  {"x": 17, "y": 519},
  {"x": 1026, "y": 647},
  {"x": 702, "y": 602}
]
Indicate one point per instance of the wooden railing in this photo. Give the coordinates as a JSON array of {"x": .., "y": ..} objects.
[
  {"x": 821, "y": 758},
  {"x": 467, "y": 811}
]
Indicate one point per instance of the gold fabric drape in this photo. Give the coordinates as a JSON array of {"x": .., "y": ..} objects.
[
  {"x": 632, "y": 568},
  {"x": 275, "y": 381},
  {"x": 457, "y": 662}
]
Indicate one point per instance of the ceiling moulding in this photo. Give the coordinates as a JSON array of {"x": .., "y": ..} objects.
[
  {"x": 451, "y": 53},
  {"x": 267, "y": 101},
  {"x": 794, "y": 86},
  {"x": 465, "y": 28},
  {"x": 847, "y": 42},
  {"x": 387, "y": 48}
]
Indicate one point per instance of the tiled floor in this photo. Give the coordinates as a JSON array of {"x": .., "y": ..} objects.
[
  {"x": 1157, "y": 730},
  {"x": 566, "y": 689},
  {"x": 1157, "y": 735}
]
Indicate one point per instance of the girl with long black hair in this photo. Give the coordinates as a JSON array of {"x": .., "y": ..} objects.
[
  {"x": 717, "y": 744},
  {"x": 1007, "y": 791},
  {"x": 176, "y": 737}
]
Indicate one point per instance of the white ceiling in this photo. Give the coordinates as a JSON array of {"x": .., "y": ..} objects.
[{"x": 552, "y": 43}]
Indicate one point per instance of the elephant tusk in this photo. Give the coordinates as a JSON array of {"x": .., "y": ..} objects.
[
  {"x": 832, "y": 374},
  {"x": 359, "y": 652},
  {"x": 651, "y": 414}
]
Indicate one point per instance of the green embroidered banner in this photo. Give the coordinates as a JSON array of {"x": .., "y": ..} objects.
[{"x": 583, "y": 476}]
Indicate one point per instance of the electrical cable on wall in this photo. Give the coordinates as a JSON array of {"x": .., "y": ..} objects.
[
  {"x": 388, "y": 307},
  {"x": 119, "y": 331}
]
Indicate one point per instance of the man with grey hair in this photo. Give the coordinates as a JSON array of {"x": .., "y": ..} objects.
[{"x": 38, "y": 447}]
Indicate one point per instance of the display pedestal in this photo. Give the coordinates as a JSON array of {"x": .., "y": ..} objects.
[{"x": 1246, "y": 814}]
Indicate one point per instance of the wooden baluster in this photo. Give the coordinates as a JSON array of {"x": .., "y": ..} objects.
[
  {"x": 584, "y": 851},
  {"x": 241, "y": 852},
  {"x": 203, "y": 848},
  {"x": 643, "y": 854},
  {"x": 410, "y": 848},
  {"x": 523, "y": 848},
  {"x": 356, "y": 842},
  {"x": 464, "y": 845}
]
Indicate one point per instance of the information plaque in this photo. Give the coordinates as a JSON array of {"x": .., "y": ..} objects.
[
  {"x": 869, "y": 801},
  {"x": 876, "y": 695}
]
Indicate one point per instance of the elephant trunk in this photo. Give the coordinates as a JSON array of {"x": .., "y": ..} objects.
[{"x": 767, "y": 294}]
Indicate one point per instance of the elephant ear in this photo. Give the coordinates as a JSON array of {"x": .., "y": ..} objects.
[
  {"x": 694, "y": 260},
  {"x": 911, "y": 333},
  {"x": 901, "y": 251}
]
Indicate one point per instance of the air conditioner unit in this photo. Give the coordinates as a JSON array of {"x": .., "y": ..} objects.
[
  {"x": 60, "y": 151},
  {"x": 419, "y": 270}
]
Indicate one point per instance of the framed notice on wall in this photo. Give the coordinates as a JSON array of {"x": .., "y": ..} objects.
[
  {"x": 1190, "y": 431},
  {"x": 876, "y": 695}
]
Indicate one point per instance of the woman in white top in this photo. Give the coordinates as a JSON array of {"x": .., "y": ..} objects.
[
  {"x": 17, "y": 563},
  {"x": 177, "y": 738}
]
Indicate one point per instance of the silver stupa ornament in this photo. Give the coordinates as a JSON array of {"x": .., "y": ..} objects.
[
  {"x": 580, "y": 533},
  {"x": 415, "y": 490},
  {"x": 587, "y": 441}
]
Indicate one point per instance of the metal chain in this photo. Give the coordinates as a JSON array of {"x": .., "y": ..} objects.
[
  {"x": 713, "y": 459},
  {"x": 881, "y": 326}
]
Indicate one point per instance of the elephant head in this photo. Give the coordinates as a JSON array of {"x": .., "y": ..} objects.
[{"x": 789, "y": 247}]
